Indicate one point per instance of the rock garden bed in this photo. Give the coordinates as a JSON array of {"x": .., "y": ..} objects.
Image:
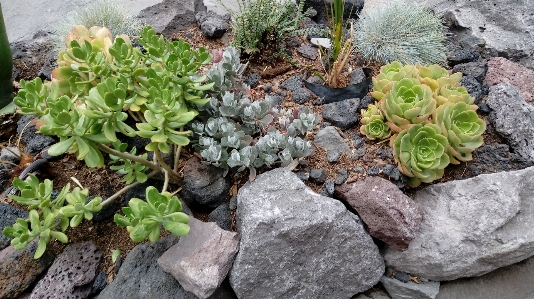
[{"x": 340, "y": 223}]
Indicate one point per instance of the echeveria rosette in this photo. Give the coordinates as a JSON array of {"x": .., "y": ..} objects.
[
  {"x": 408, "y": 102},
  {"x": 389, "y": 74},
  {"x": 420, "y": 153},
  {"x": 463, "y": 128},
  {"x": 436, "y": 76},
  {"x": 373, "y": 125}
]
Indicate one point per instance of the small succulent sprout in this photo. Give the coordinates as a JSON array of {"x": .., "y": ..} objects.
[
  {"x": 376, "y": 128},
  {"x": 408, "y": 102},
  {"x": 453, "y": 94},
  {"x": 463, "y": 128},
  {"x": 420, "y": 153},
  {"x": 389, "y": 74},
  {"x": 144, "y": 219}
]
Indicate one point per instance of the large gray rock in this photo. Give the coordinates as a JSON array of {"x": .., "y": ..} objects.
[
  {"x": 201, "y": 259},
  {"x": 72, "y": 273},
  {"x": 513, "y": 118},
  {"x": 18, "y": 269},
  {"x": 409, "y": 290},
  {"x": 471, "y": 227},
  {"x": 511, "y": 282},
  {"x": 329, "y": 139},
  {"x": 389, "y": 214},
  {"x": 170, "y": 16},
  {"x": 298, "y": 244}
]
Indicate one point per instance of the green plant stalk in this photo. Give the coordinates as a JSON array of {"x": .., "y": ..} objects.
[
  {"x": 6, "y": 66},
  {"x": 166, "y": 167},
  {"x": 130, "y": 157},
  {"x": 124, "y": 189}
]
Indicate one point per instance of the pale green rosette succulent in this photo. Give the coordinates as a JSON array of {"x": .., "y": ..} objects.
[
  {"x": 453, "y": 94},
  {"x": 389, "y": 74},
  {"x": 408, "y": 102},
  {"x": 436, "y": 76},
  {"x": 373, "y": 125},
  {"x": 463, "y": 128},
  {"x": 420, "y": 153}
]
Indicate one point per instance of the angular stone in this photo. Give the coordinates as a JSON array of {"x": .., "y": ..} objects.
[
  {"x": 513, "y": 282},
  {"x": 471, "y": 227},
  {"x": 221, "y": 216},
  {"x": 170, "y": 16},
  {"x": 204, "y": 184},
  {"x": 513, "y": 117},
  {"x": 502, "y": 70},
  {"x": 201, "y": 259},
  {"x": 409, "y": 290},
  {"x": 18, "y": 269},
  {"x": 390, "y": 215},
  {"x": 342, "y": 114},
  {"x": 307, "y": 51},
  {"x": 329, "y": 139},
  {"x": 301, "y": 95},
  {"x": 8, "y": 216},
  {"x": 476, "y": 69},
  {"x": 306, "y": 247},
  {"x": 211, "y": 24},
  {"x": 72, "y": 273}
]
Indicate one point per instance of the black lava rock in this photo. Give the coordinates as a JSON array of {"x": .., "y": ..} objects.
[
  {"x": 252, "y": 80},
  {"x": 476, "y": 69},
  {"x": 342, "y": 176},
  {"x": 373, "y": 170},
  {"x": 221, "y": 216},
  {"x": 462, "y": 55},
  {"x": 342, "y": 114},
  {"x": 474, "y": 88}
]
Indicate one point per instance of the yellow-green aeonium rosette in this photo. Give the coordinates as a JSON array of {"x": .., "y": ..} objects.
[
  {"x": 409, "y": 102},
  {"x": 420, "y": 153},
  {"x": 463, "y": 128},
  {"x": 373, "y": 125}
]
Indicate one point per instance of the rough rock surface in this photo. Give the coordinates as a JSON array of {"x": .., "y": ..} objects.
[
  {"x": 140, "y": 277},
  {"x": 30, "y": 55},
  {"x": 8, "y": 216},
  {"x": 170, "y": 16},
  {"x": 474, "y": 88},
  {"x": 493, "y": 158},
  {"x": 471, "y": 227},
  {"x": 297, "y": 244},
  {"x": 390, "y": 215},
  {"x": 410, "y": 290},
  {"x": 329, "y": 139},
  {"x": 202, "y": 258},
  {"x": 342, "y": 114},
  {"x": 351, "y": 9},
  {"x": 513, "y": 118},
  {"x": 511, "y": 282},
  {"x": 221, "y": 216},
  {"x": 307, "y": 51},
  {"x": 35, "y": 142},
  {"x": 204, "y": 184},
  {"x": 18, "y": 269},
  {"x": 72, "y": 273},
  {"x": 502, "y": 70},
  {"x": 476, "y": 69},
  {"x": 211, "y": 24}
]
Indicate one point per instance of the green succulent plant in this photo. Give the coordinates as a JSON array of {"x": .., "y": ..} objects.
[
  {"x": 48, "y": 217},
  {"x": 144, "y": 219},
  {"x": 408, "y": 102},
  {"x": 463, "y": 128},
  {"x": 373, "y": 125},
  {"x": 453, "y": 94},
  {"x": 389, "y": 74},
  {"x": 420, "y": 153}
]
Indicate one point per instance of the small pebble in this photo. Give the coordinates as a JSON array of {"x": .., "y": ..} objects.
[
  {"x": 483, "y": 109},
  {"x": 333, "y": 156},
  {"x": 360, "y": 152},
  {"x": 303, "y": 176},
  {"x": 391, "y": 171},
  {"x": 342, "y": 176},
  {"x": 357, "y": 141},
  {"x": 233, "y": 203},
  {"x": 373, "y": 170},
  {"x": 474, "y": 170},
  {"x": 385, "y": 153},
  {"x": 329, "y": 185},
  {"x": 358, "y": 169},
  {"x": 402, "y": 276},
  {"x": 267, "y": 88},
  {"x": 317, "y": 176}
]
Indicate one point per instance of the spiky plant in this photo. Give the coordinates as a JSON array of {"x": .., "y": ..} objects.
[
  {"x": 401, "y": 32},
  {"x": 102, "y": 13}
]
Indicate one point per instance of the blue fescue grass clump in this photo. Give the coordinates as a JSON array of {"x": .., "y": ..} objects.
[{"x": 401, "y": 32}]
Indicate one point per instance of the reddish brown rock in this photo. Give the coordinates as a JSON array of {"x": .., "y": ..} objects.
[
  {"x": 390, "y": 215},
  {"x": 18, "y": 269},
  {"x": 502, "y": 70}
]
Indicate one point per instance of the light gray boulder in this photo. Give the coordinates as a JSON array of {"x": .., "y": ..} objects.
[
  {"x": 330, "y": 139},
  {"x": 409, "y": 290},
  {"x": 201, "y": 259},
  {"x": 513, "y": 118},
  {"x": 298, "y": 244},
  {"x": 471, "y": 227}
]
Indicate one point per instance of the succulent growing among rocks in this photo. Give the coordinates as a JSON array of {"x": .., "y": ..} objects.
[
  {"x": 389, "y": 74},
  {"x": 463, "y": 128},
  {"x": 420, "y": 152},
  {"x": 408, "y": 102},
  {"x": 373, "y": 125}
]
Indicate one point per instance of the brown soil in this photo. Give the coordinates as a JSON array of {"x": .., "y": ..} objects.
[{"x": 104, "y": 182}]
